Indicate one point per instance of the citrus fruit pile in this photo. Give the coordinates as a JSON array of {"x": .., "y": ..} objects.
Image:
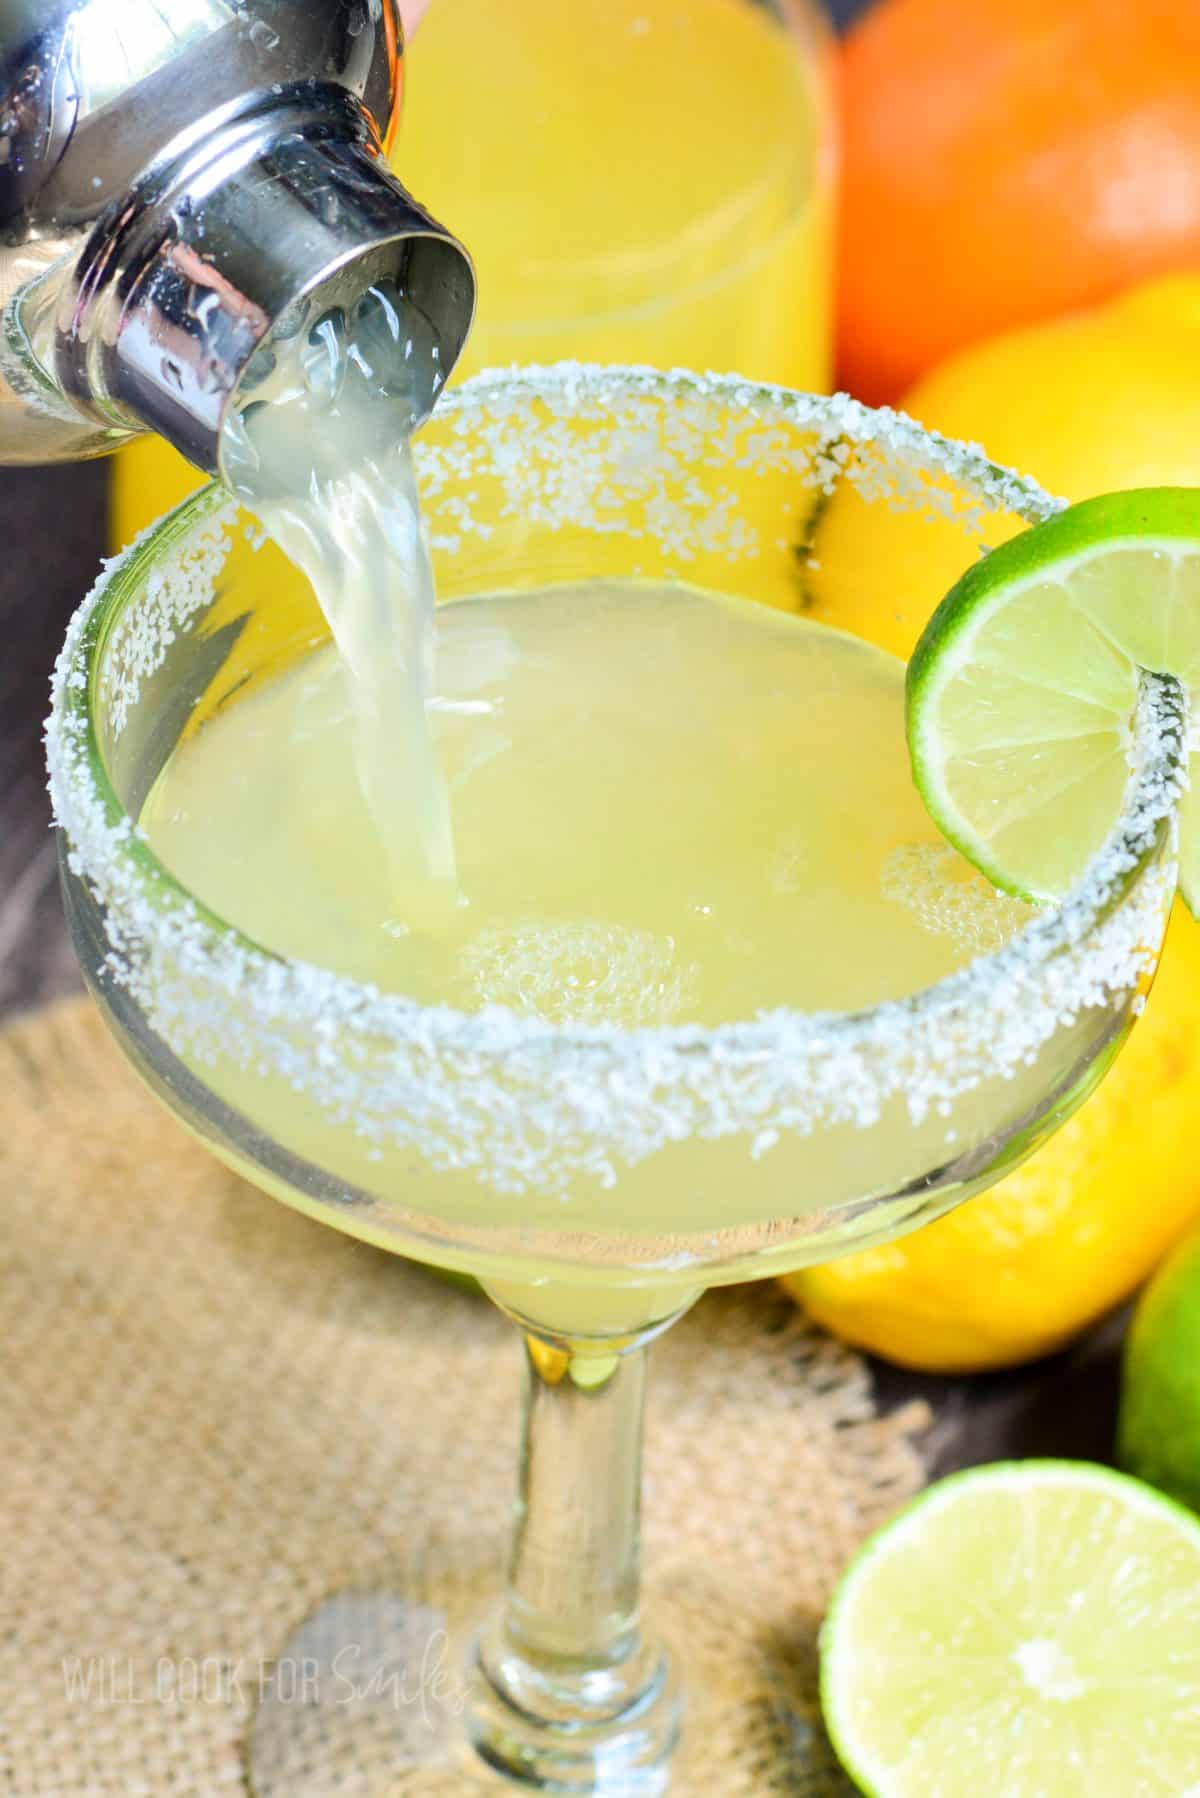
[
  {"x": 1101, "y": 400},
  {"x": 1020, "y": 694},
  {"x": 1031, "y": 1628}
]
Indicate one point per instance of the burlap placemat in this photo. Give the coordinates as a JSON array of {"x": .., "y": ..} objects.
[{"x": 217, "y": 1416}]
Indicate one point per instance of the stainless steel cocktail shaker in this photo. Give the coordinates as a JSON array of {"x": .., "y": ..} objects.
[{"x": 180, "y": 180}]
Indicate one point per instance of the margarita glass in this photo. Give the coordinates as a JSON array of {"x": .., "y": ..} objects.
[{"x": 595, "y": 1178}]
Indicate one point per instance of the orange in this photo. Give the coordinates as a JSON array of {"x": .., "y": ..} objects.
[{"x": 1007, "y": 161}]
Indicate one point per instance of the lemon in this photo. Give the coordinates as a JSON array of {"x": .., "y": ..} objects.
[
  {"x": 1028, "y": 1264},
  {"x": 1104, "y": 399},
  {"x": 1158, "y": 1437},
  {"x": 1086, "y": 404},
  {"x": 1026, "y": 1630}
]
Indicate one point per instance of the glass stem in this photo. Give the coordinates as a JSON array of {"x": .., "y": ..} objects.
[
  {"x": 573, "y": 1590},
  {"x": 568, "y": 1694}
]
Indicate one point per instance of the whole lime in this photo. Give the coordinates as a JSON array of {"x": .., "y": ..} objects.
[{"x": 1158, "y": 1435}]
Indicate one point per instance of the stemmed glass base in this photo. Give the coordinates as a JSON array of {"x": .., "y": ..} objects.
[
  {"x": 561, "y": 1691},
  {"x": 423, "y": 1680},
  {"x": 379, "y": 1692},
  {"x": 574, "y": 1730}
]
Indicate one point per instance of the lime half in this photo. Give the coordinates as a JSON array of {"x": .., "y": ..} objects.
[
  {"x": 1030, "y": 1629},
  {"x": 1021, "y": 692}
]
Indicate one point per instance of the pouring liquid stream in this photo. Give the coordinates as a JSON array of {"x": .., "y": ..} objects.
[{"x": 321, "y": 454}]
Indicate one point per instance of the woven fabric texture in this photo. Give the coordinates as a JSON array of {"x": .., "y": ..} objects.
[{"x": 257, "y": 1479}]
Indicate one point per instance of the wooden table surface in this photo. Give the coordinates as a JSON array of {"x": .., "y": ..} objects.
[{"x": 52, "y": 527}]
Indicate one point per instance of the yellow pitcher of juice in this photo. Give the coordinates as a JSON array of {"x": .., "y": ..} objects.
[{"x": 637, "y": 181}]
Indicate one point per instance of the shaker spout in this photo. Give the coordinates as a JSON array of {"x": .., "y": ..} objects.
[{"x": 281, "y": 203}]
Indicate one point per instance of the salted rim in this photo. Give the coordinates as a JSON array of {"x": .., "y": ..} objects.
[{"x": 148, "y": 904}]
